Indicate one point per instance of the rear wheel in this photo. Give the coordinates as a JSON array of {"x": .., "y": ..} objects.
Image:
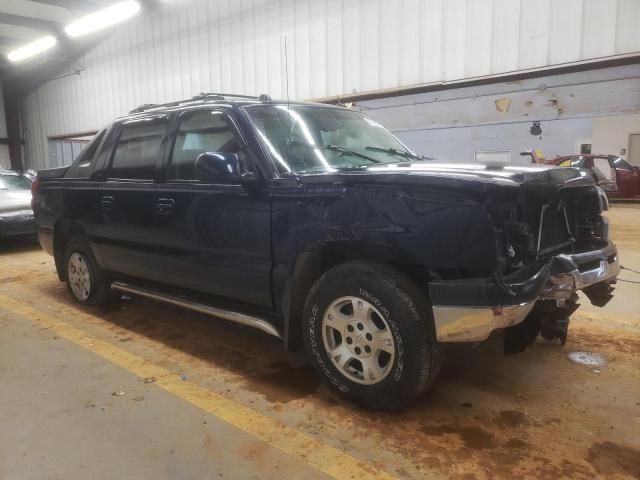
[
  {"x": 370, "y": 334},
  {"x": 85, "y": 280}
]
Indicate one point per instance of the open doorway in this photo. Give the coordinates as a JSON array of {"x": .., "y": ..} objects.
[{"x": 634, "y": 149}]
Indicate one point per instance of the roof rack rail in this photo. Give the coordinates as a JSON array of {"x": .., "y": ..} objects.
[
  {"x": 143, "y": 107},
  {"x": 200, "y": 97},
  {"x": 262, "y": 97}
]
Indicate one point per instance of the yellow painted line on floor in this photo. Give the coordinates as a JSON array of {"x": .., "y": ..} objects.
[{"x": 322, "y": 457}]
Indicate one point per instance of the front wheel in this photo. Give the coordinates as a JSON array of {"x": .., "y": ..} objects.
[{"x": 370, "y": 335}]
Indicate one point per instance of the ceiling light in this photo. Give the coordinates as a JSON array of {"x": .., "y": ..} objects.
[
  {"x": 31, "y": 49},
  {"x": 103, "y": 18}
]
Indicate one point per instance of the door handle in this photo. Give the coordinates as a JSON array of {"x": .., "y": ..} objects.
[
  {"x": 165, "y": 206},
  {"x": 106, "y": 203}
]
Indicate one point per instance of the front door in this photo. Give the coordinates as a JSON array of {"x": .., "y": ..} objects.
[
  {"x": 216, "y": 237},
  {"x": 125, "y": 236}
]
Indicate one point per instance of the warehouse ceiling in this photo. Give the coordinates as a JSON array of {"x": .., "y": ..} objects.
[{"x": 23, "y": 21}]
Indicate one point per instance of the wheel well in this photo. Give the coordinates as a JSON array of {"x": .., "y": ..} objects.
[
  {"x": 63, "y": 230},
  {"x": 315, "y": 261}
]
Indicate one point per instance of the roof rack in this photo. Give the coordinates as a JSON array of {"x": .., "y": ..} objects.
[{"x": 201, "y": 97}]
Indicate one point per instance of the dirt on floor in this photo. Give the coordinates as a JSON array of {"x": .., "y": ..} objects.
[{"x": 533, "y": 415}]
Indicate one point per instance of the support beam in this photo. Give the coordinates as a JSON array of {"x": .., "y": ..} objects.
[
  {"x": 74, "y": 6},
  {"x": 28, "y": 22},
  {"x": 14, "y": 140}
]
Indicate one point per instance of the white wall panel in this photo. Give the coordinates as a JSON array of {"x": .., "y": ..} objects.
[
  {"x": 334, "y": 47},
  {"x": 410, "y": 42},
  {"x": 534, "y": 33},
  {"x": 599, "y": 28},
  {"x": 565, "y": 34},
  {"x": 628, "y": 33},
  {"x": 432, "y": 27},
  {"x": 479, "y": 38},
  {"x": 454, "y": 39},
  {"x": 506, "y": 36}
]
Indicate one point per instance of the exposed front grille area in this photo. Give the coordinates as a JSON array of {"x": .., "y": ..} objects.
[{"x": 553, "y": 231}]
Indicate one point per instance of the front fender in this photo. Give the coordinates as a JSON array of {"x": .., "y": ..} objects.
[{"x": 428, "y": 229}]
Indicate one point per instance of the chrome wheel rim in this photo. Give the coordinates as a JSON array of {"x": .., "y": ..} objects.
[
  {"x": 79, "y": 276},
  {"x": 358, "y": 340}
]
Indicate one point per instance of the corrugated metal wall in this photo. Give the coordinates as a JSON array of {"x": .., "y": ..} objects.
[{"x": 334, "y": 47}]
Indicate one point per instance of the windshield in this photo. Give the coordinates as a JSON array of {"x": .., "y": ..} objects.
[
  {"x": 14, "y": 182},
  {"x": 304, "y": 138}
]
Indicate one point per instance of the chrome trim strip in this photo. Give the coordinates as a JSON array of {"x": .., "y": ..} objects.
[
  {"x": 474, "y": 324},
  {"x": 236, "y": 317}
]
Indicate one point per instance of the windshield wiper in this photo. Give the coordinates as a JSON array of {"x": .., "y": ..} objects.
[
  {"x": 348, "y": 151},
  {"x": 335, "y": 148},
  {"x": 395, "y": 151}
]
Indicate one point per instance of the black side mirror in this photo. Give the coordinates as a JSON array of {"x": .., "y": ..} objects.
[{"x": 221, "y": 167}]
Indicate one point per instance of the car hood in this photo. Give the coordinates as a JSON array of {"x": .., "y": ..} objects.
[
  {"x": 15, "y": 200},
  {"x": 474, "y": 176}
]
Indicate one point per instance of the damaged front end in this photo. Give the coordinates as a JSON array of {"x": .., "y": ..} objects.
[{"x": 552, "y": 241}]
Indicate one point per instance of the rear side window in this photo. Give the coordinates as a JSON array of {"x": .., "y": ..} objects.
[
  {"x": 88, "y": 155},
  {"x": 138, "y": 149},
  {"x": 204, "y": 131},
  {"x": 84, "y": 163}
]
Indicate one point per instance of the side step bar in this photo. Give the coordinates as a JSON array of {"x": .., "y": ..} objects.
[{"x": 232, "y": 316}]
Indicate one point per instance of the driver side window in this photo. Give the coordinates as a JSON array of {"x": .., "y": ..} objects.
[{"x": 203, "y": 131}]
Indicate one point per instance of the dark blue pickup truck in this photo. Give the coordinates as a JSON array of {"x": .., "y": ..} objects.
[{"x": 316, "y": 225}]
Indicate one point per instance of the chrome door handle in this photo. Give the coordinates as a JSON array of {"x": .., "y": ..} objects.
[
  {"x": 106, "y": 203},
  {"x": 165, "y": 206}
]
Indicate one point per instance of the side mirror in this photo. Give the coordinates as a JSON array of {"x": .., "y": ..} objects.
[{"x": 221, "y": 167}]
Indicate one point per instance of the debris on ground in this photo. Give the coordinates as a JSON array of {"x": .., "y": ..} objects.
[
  {"x": 138, "y": 398},
  {"x": 149, "y": 379},
  {"x": 118, "y": 393},
  {"x": 587, "y": 358}
]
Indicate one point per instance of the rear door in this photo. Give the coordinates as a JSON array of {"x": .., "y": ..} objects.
[
  {"x": 126, "y": 236},
  {"x": 216, "y": 236},
  {"x": 605, "y": 173},
  {"x": 626, "y": 176}
]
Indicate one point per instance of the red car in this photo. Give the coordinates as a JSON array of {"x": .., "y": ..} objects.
[{"x": 614, "y": 174}]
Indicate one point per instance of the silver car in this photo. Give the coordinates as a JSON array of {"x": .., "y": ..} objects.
[{"x": 16, "y": 215}]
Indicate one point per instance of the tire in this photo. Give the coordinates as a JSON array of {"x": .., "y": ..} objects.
[
  {"x": 86, "y": 281},
  {"x": 403, "y": 357}
]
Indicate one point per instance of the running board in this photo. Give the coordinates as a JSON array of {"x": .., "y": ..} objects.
[{"x": 241, "y": 318}]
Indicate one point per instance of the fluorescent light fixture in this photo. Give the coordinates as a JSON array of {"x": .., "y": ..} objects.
[
  {"x": 31, "y": 49},
  {"x": 103, "y": 18}
]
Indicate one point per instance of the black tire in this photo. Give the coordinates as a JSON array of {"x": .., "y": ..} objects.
[
  {"x": 99, "y": 293},
  {"x": 418, "y": 355}
]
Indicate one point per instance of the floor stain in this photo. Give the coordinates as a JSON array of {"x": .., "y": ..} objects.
[
  {"x": 609, "y": 458},
  {"x": 511, "y": 419},
  {"x": 285, "y": 384},
  {"x": 473, "y": 437}
]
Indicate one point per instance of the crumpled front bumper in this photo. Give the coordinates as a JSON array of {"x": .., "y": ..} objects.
[{"x": 469, "y": 310}]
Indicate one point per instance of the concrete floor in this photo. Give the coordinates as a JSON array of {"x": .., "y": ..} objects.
[{"x": 228, "y": 403}]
